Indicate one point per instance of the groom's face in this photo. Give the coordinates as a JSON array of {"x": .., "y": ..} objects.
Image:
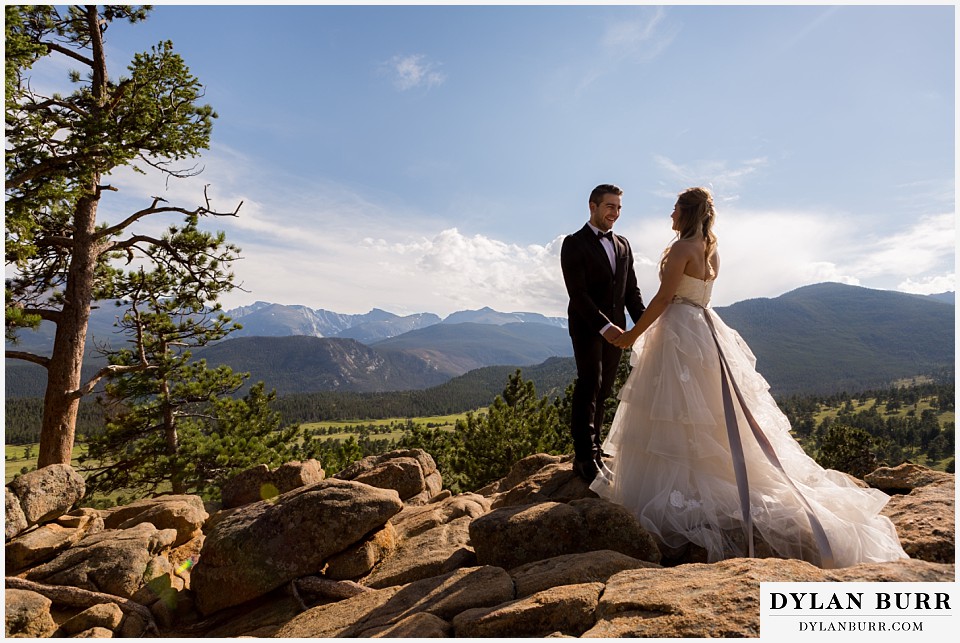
[{"x": 604, "y": 214}]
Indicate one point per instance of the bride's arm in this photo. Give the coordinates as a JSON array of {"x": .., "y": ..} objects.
[{"x": 673, "y": 269}]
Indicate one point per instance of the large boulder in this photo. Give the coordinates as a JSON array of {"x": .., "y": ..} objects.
[
  {"x": 433, "y": 552},
  {"x": 512, "y": 536},
  {"x": 371, "y": 612},
  {"x": 262, "y": 483},
  {"x": 415, "y": 520},
  {"x": 357, "y": 560},
  {"x": 926, "y": 522},
  {"x": 27, "y": 614},
  {"x": 538, "y": 478},
  {"x": 415, "y": 626},
  {"x": 15, "y": 521},
  {"x": 46, "y": 541},
  {"x": 48, "y": 493},
  {"x": 184, "y": 514},
  {"x": 121, "y": 562},
  {"x": 408, "y": 472},
  {"x": 572, "y": 569},
  {"x": 266, "y": 544},
  {"x": 108, "y": 616},
  {"x": 568, "y": 609},
  {"x": 905, "y": 477},
  {"x": 522, "y": 470}
]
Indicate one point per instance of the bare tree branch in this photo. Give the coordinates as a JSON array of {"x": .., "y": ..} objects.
[
  {"x": 114, "y": 369},
  {"x": 52, "y": 46},
  {"x": 29, "y": 357}
]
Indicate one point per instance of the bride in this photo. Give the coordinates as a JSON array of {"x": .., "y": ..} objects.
[{"x": 701, "y": 452}]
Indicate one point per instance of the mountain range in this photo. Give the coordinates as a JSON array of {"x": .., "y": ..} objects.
[{"x": 819, "y": 338}]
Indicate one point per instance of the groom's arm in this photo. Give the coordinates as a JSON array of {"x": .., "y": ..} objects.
[{"x": 633, "y": 299}]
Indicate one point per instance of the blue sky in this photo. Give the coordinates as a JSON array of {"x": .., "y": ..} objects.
[{"x": 431, "y": 158}]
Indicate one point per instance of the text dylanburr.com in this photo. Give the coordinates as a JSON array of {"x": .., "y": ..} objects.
[{"x": 906, "y": 611}]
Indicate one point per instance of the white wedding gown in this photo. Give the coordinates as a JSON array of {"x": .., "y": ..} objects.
[{"x": 675, "y": 453}]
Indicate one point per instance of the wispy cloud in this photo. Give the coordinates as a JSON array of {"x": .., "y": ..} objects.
[
  {"x": 628, "y": 42},
  {"x": 414, "y": 70},
  {"x": 807, "y": 29},
  {"x": 723, "y": 177},
  {"x": 641, "y": 39}
]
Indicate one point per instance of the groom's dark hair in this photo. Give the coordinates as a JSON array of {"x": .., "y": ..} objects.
[{"x": 597, "y": 195}]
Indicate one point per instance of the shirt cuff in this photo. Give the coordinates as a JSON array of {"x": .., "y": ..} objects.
[{"x": 604, "y": 329}]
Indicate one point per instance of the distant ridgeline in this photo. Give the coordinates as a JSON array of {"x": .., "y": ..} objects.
[{"x": 820, "y": 339}]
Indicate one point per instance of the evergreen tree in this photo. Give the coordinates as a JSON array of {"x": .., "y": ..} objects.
[
  {"x": 60, "y": 255},
  {"x": 848, "y": 449},
  {"x": 516, "y": 425},
  {"x": 173, "y": 420}
]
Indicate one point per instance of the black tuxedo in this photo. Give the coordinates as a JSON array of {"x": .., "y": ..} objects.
[{"x": 598, "y": 296}]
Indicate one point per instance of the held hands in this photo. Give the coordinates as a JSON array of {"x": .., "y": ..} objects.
[
  {"x": 627, "y": 339},
  {"x": 612, "y": 333}
]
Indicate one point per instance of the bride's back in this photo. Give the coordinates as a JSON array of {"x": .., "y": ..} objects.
[{"x": 697, "y": 265}]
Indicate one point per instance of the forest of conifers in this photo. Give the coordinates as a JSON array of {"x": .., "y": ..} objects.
[{"x": 894, "y": 419}]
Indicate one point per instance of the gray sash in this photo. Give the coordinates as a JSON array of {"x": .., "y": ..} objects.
[{"x": 739, "y": 462}]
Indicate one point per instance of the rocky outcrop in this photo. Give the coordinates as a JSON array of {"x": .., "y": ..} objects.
[
  {"x": 443, "y": 596},
  {"x": 262, "y": 483},
  {"x": 513, "y": 536},
  {"x": 412, "y": 474},
  {"x": 182, "y": 513},
  {"x": 15, "y": 521},
  {"x": 46, "y": 541},
  {"x": 263, "y": 545},
  {"x": 533, "y": 554},
  {"x": 925, "y": 520},
  {"x": 46, "y": 493},
  {"x": 120, "y": 562},
  {"x": 905, "y": 478},
  {"x": 568, "y": 609},
  {"x": 27, "y": 614},
  {"x": 103, "y": 616}
]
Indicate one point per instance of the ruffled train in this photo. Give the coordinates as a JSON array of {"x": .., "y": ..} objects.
[{"x": 674, "y": 469}]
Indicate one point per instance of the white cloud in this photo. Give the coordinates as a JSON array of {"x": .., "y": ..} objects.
[
  {"x": 768, "y": 253},
  {"x": 414, "y": 70},
  {"x": 322, "y": 245}
]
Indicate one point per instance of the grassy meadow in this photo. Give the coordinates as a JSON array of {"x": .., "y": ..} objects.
[{"x": 16, "y": 456}]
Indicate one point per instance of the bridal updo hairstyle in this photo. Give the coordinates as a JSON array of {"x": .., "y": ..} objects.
[{"x": 696, "y": 219}]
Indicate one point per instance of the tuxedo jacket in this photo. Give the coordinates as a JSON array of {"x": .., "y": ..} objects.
[{"x": 598, "y": 296}]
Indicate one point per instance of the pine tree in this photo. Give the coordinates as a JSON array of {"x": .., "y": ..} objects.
[
  {"x": 174, "y": 420},
  {"x": 61, "y": 256},
  {"x": 848, "y": 449}
]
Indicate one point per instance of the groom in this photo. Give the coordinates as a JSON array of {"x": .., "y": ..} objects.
[{"x": 598, "y": 272}]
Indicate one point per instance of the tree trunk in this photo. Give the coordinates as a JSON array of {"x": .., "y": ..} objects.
[{"x": 61, "y": 400}]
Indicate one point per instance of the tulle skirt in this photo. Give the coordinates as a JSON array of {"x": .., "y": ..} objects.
[{"x": 673, "y": 466}]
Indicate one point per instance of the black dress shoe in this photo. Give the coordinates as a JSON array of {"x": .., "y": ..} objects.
[{"x": 586, "y": 469}]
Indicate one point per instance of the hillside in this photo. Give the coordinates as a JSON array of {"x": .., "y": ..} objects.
[
  {"x": 305, "y": 364},
  {"x": 832, "y": 337},
  {"x": 458, "y": 348},
  {"x": 817, "y": 339}
]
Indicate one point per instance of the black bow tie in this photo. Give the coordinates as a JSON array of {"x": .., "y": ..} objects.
[{"x": 605, "y": 235}]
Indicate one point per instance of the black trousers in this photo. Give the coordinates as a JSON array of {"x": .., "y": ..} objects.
[{"x": 597, "y": 362}]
